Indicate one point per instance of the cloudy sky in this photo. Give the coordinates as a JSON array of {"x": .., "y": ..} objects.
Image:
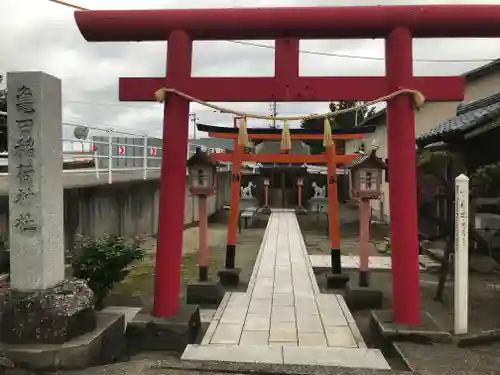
[{"x": 39, "y": 35}]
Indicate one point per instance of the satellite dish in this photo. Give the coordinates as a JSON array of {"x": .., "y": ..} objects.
[{"x": 81, "y": 132}]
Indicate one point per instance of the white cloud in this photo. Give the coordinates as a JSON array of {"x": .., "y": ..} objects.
[{"x": 40, "y": 35}]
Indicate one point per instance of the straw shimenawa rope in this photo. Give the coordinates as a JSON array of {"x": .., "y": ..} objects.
[
  {"x": 286, "y": 139},
  {"x": 243, "y": 133},
  {"x": 418, "y": 101},
  {"x": 327, "y": 133}
]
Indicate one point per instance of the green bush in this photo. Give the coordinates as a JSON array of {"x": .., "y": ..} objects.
[{"x": 103, "y": 262}]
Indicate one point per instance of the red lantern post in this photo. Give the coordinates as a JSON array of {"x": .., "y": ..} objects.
[
  {"x": 266, "y": 195},
  {"x": 202, "y": 177},
  {"x": 365, "y": 184}
]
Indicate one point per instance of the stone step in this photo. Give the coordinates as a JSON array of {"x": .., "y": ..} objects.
[{"x": 288, "y": 354}]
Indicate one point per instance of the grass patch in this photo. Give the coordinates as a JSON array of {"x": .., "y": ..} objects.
[{"x": 138, "y": 287}]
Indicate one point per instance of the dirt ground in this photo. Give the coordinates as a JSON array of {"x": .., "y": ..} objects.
[
  {"x": 138, "y": 288},
  {"x": 315, "y": 230}
]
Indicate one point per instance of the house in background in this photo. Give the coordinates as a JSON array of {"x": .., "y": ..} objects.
[
  {"x": 472, "y": 138},
  {"x": 480, "y": 84}
]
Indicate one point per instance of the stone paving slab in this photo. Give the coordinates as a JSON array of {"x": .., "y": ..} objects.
[
  {"x": 289, "y": 354},
  {"x": 283, "y": 312},
  {"x": 379, "y": 263}
]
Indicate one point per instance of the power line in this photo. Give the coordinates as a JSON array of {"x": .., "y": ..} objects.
[{"x": 373, "y": 58}]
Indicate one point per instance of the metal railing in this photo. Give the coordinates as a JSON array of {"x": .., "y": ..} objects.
[
  {"x": 103, "y": 147},
  {"x": 104, "y": 152}
]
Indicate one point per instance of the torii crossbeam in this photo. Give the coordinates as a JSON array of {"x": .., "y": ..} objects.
[{"x": 397, "y": 24}]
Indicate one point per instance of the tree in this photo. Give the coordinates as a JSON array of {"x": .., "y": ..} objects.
[{"x": 343, "y": 121}]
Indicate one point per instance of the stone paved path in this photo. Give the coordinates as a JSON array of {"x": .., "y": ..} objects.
[
  {"x": 283, "y": 318},
  {"x": 381, "y": 263}
]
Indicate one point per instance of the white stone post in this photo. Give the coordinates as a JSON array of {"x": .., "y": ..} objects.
[
  {"x": 461, "y": 256},
  {"x": 110, "y": 158},
  {"x": 145, "y": 158},
  {"x": 34, "y": 120}
]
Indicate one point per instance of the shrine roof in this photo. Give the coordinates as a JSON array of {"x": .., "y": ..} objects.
[
  {"x": 362, "y": 158},
  {"x": 233, "y": 130},
  {"x": 226, "y": 144},
  {"x": 274, "y": 147},
  {"x": 470, "y": 116}
]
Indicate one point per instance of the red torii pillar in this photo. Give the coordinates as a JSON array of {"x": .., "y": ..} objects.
[{"x": 397, "y": 24}]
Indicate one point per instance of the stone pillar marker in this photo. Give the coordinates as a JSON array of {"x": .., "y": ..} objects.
[
  {"x": 43, "y": 307},
  {"x": 35, "y": 180}
]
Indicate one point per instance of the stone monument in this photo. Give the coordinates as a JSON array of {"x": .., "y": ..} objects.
[
  {"x": 319, "y": 201},
  {"x": 42, "y": 306},
  {"x": 248, "y": 201}
]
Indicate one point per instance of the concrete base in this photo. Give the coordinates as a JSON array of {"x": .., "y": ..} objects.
[
  {"x": 229, "y": 276},
  {"x": 363, "y": 298},
  {"x": 336, "y": 280},
  {"x": 319, "y": 204},
  {"x": 301, "y": 211},
  {"x": 481, "y": 338},
  {"x": 266, "y": 211},
  {"x": 248, "y": 202},
  {"x": 427, "y": 332},
  {"x": 104, "y": 344},
  {"x": 146, "y": 332},
  {"x": 204, "y": 292}
]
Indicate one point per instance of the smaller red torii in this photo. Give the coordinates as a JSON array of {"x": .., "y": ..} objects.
[{"x": 241, "y": 135}]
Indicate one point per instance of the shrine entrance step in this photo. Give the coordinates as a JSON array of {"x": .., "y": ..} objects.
[{"x": 283, "y": 318}]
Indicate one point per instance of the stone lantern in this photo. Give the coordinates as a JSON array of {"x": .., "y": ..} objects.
[
  {"x": 366, "y": 176},
  {"x": 266, "y": 209},
  {"x": 202, "y": 177},
  {"x": 202, "y": 172},
  {"x": 300, "y": 209},
  {"x": 365, "y": 184}
]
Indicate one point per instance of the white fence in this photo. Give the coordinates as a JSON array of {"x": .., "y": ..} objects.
[
  {"x": 104, "y": 152},
  {"x": 110, "y": 151}
]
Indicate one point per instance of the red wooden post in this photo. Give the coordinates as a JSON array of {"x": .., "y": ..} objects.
[
  {"x": 402, "y": 187},
  {"x": 300, "y": 182},
  {"x": 234, "y": 210},
  {"x": 333, "y": 210},
  {"x": 364, "y": 238},
  {"x": 173, "y": 170},
  {"x": 299, "y": 198},
  {"x": 203, "y": 256}
]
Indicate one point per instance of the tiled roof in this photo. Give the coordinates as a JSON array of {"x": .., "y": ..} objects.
[
  {"x": 358, "y": 160},
  {"x": 469, "y": 117}
]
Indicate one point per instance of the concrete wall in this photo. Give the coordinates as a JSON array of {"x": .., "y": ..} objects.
[
  {"x": 126, "y": 209},
  {"x": 429, "y": 116}
]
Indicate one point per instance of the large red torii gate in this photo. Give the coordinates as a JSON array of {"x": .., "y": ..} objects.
[{"x": 397, "y": 24}]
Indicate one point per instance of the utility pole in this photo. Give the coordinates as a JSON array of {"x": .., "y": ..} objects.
[
  {"x": 193, "y": 118},
  {"x": 274, "y": 113}
]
